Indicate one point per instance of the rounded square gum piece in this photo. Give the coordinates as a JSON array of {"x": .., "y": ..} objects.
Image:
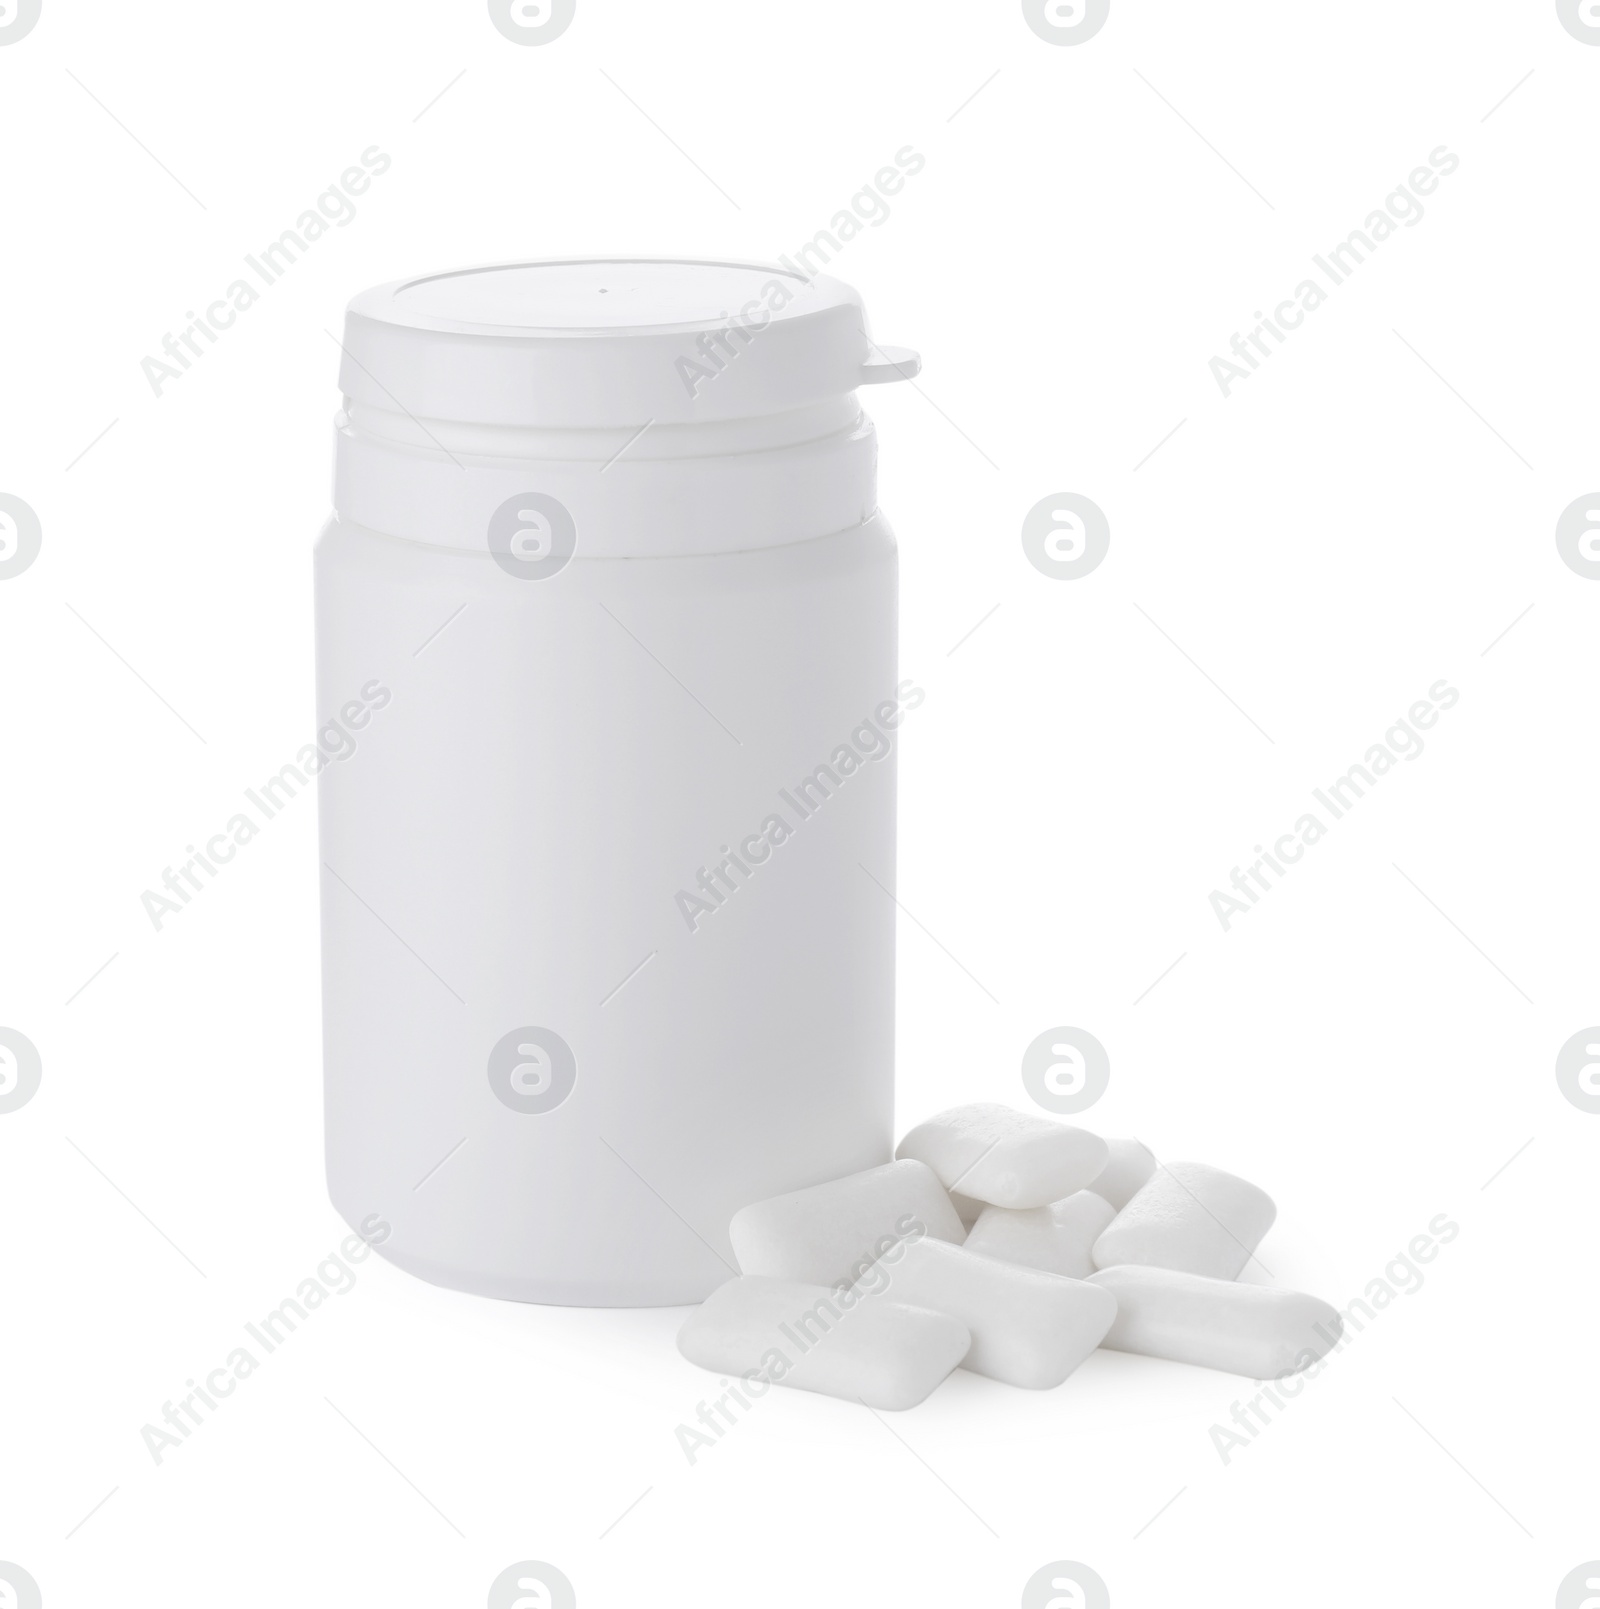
[
  {"x": 769, "y": 1332},
  {"x": 1005, "y": 1158},
  {"x": 826, "y": 1234},
  {"x": 1191, "y": 1217},
  {"x": 1217, "y": 1323},
  {"x": 1057, "y": 1238},
  {"x": 1126, "y": 1172},
  {"x": 1028, "y": 1328}
]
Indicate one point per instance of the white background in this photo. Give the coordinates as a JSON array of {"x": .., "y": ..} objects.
[{"x": 1288, "y": 573}]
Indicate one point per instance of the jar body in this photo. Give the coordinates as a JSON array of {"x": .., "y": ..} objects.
[{"x": 607, "y": 926}]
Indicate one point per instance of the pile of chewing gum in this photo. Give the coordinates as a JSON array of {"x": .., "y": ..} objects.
[{"x": 1006, "y": 1244}]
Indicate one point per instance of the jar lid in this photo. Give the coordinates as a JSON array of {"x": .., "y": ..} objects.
[{"x": 610, "y": 342}]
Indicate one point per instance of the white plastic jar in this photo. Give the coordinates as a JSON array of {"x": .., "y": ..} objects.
[{"x": 606, "y": 615}]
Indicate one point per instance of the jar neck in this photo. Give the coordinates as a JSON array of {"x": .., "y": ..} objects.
[
  {"x": 643, "y": 441},
  {"x": 655, "y": 491}
]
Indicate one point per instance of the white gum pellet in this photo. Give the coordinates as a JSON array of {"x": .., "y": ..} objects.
[
  {"x": 1006, "y": 1158},
  {"x": 1125, "y": 1173},
  {"x": 826, "y": 1234},
  {"x": 840, "y": 1342},
  {"x": 1028, "y": 1328},
  {"x": 967, "y": 1210},
  {"x": 1190, "y": 1217},
  {"x": 1056, "y": 1239},
  {"x": 1217, "y": 1323}
]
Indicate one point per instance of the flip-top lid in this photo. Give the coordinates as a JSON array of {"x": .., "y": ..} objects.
[{"x": 610, "y": 342}]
